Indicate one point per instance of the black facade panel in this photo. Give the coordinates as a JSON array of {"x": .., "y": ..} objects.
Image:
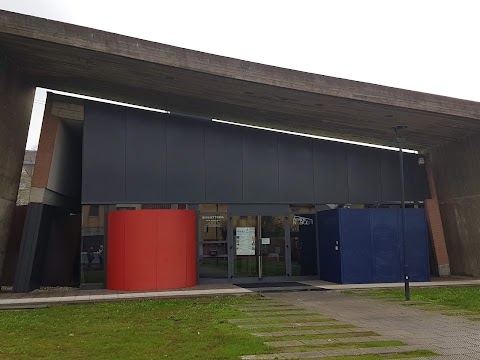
[
  {"x": 364, "y": 175},
  {"x": 146, "y": 163},
  {"x": 35, "y": 237},
  {"x": 223, "y": 162},
  {"x": 421, "y": 189},
  {"x": 390, "y": 169},
  {"x": 103, "y": 176},
  {"x": 185, "y": 160},
  {"x": 260, "y": 166},
  {"x": 132, "y": 156},
  {"x": 411, "y": 167},
  {"x": 330, "y": 172},
  {"x": 295, "y": 169},
  {"x": 258, "y": 209}
]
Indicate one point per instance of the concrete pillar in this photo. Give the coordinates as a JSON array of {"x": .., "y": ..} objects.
[
  {"x": 16, "y": 101},
  {"x": 455, "y": 167}
]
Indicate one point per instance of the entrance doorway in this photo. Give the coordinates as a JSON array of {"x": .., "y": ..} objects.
[{"x": 259, "y": 246}]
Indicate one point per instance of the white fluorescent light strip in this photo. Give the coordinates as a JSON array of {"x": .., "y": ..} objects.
[
  {"x": 106, "y": 101},
  {"x": 234, "y": 123},
  {"x": 318, "y": 137}
]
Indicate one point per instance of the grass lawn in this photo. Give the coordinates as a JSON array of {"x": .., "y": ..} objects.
[
  {"x": 151, "y": 329},
  {"x": 461, "y": 298}
]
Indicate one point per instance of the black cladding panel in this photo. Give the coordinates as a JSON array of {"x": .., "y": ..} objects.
[
  {"x": 421, "y": 188},
  {"x": 390, "y": 170},
  {"x": 330, "y": 172},
  {"x": 364, "y": 176},
  {"x": 146, "y": 163},
  {"x": 223, "y": 162},
  {"x": 260, "y": 166},
  {"x": 135, "y": 156},
  {"x": 103, "y": 175},
  {"x": 295, "y": 169},
  {"x": 185, "y": 160}
]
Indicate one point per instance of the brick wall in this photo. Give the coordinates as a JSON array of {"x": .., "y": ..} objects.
[
  {"x": 46, "y": 146},
  {"x": 435, "y": 227}
]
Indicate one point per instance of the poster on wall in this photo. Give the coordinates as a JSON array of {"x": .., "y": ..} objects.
[{"x": 245, "y": 239}]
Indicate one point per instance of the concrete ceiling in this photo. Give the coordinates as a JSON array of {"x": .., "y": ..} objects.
[{"x": 91, "y": 62}]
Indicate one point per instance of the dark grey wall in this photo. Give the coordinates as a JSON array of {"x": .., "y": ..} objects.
[
  {"x": 138, "y": 156},
  {"x": 65, "y": 169}
]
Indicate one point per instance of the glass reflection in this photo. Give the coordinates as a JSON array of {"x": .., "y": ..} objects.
[
  {"x": 92, "y": 252},
  {"x": 304, "y": 244}
]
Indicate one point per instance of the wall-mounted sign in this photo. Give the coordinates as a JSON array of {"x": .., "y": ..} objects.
[
  {"x": 300, "y": 220},
  {"x": 265, "y": 241},
  {"x": 213, "y": 220},
  {"x": 245, "y": 240}
]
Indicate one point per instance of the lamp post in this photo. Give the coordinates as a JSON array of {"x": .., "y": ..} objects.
[{"x": 399, "y": 133}]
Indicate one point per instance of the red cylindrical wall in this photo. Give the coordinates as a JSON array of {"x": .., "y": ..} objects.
[{"x": 151, "y": 249}]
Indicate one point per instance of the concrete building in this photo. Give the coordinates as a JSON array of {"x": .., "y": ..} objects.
[
  {"x": 196, "y": 87},
  {"x": 23, "y": 196}
]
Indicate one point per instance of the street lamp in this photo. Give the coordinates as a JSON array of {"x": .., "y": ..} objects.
[{"x": 400, "y": 135}]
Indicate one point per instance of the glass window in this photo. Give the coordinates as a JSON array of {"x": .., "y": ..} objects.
[
  {"x": 213, "y": 250},
  {"x": 92, "y": 252},
  {"x": 303, "y": 244},
  {"x": 93, "y": 210}
]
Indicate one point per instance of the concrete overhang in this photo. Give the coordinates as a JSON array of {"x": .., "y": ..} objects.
[{"x": 96, "y": 63}]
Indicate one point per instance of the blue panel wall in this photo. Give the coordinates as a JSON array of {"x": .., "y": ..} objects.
[
  {"x": 417, "y": 245},
  {"x": 355, "y": 246},
  {"x": 386, "y": 249},
  {"x": 370, "y": 249},
  {"x": 329, "y": 234}
]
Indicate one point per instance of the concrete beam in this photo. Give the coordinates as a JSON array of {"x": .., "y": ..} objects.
[
  {"x": 16, "y": 101},
  {"x": 97, "y": 63}
]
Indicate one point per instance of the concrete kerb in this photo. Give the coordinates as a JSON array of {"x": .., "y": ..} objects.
[
  {"x": 92, "y": 298},
  {"x": 228, "y": 290}
]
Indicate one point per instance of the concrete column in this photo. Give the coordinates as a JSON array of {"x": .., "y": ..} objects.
[
  {"x": 455, "y": 167},
  {"x": 16, "y": 101}
]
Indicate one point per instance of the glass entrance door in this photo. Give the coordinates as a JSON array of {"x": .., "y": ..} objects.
[{"x": 259, "y": 246}]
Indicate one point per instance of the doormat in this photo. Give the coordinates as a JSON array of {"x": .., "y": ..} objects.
[
  {"x": 279, "y": 286},
  {"x": 271, "y": 284}
]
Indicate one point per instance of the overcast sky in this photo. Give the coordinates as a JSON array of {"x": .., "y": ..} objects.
[{"x": 428, "y": 46}]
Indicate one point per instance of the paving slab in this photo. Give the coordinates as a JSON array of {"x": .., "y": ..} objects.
[
  {"x": 282, "y": 313},
  {"x": 307, "y": 332},
  {"x": 327, "y": 341},
  {"x": 267, "y": 320},
  {"x": 270, "y": 309},
  {"x": 291, "y": 325},
  {"x": 447, "y": 335},
  {"x": 339, "y": 352}
]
